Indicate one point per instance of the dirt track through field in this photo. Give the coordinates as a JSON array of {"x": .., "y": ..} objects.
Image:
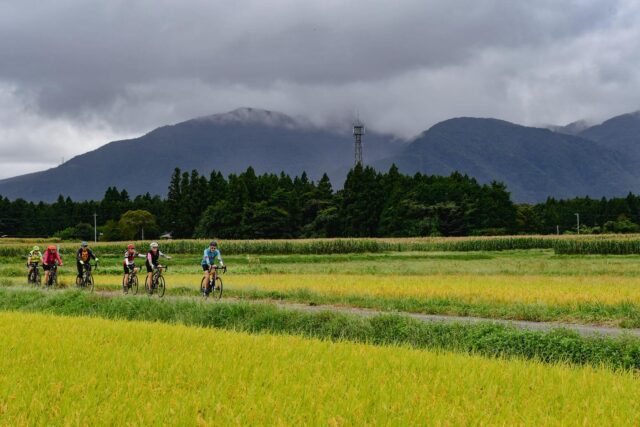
[{"x": 584, "y": 330}]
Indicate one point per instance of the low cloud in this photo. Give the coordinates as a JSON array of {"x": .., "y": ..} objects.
[{"x": 77, "y": 74}]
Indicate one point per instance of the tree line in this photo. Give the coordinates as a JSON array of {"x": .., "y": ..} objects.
[{"x": 370, "y": 203}]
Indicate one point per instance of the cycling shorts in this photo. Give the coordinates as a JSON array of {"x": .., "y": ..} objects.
[{"x": 149, "y": 267}]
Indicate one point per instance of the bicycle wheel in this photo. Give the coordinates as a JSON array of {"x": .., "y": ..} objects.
[
  {"x": 161, "y": 286},
  {"x": 134, "y": 285},
  {"x": 147, "y": 285},
  {"x": 36, "y": 280},
  {"x": 217, "y": 289},
  {"x": 89, "y": 283},
  {"x": 30, "y": 279},
  {"x": 79, "y": 282},
  {"x": 203, "y": 287}
]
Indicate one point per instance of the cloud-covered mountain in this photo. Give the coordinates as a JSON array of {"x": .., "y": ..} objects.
[
  {"x": 573, "y": 128},
  {"x": 231, "y": 142},
  {"x": 534, "y": 163}
]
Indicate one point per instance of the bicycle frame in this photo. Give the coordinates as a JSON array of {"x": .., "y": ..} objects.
[
  {"x": 132, "y": 273},
  {"x": 214, "y": 276},
  {"x": 157, "y": 272},
  {"x": 34, "y": 276},
  {"x": 210, "y": 285},
  {"x": 53, "y": 275}
]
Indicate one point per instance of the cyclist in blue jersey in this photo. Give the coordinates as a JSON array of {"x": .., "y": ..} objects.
[{"x": 209, "y": 257}]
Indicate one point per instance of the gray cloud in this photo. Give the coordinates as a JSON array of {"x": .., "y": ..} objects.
[{"x": 76, "y": 74}]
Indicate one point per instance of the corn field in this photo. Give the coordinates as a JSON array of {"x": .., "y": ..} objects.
[
  {"x": 588, "y": 244},
  {"x": 602, "y": 244}
]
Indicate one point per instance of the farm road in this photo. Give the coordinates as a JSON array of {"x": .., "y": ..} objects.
[{"x": 585, "y": 330}]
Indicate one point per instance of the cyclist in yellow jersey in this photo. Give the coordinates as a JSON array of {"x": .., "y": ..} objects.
[{"x": 34, "y": 257}]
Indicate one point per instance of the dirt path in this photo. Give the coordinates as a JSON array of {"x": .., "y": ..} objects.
[{"x": 585, "y": 330}]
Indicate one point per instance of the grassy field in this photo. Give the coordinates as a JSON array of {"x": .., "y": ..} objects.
[
  {"x": 483, "y": 338},
  {"x": 533, "y": 285},
  {"x": 286, "y": 367},
  {"x": 58, "y": 370}
]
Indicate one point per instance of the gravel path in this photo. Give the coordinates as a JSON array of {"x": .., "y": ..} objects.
[{"x": 585, "y": 330}]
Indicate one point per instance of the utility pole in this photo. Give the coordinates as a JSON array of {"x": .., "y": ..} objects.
[
  {"x": 142, "y": 233},
  {"x": 578, "y": 222},
  {"x": 557, "y": 230},
  {"x": 95, "y": 227}
]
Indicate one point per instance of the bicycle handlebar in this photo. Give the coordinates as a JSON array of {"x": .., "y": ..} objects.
[{"x": 215, "y": 267}]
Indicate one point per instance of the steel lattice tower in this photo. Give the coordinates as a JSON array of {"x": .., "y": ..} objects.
[{"x": 358, "y": 131}]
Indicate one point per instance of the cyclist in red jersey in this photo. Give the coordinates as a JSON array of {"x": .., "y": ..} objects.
[{"x": 51, "y": 256}]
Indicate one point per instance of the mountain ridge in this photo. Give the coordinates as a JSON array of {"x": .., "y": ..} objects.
[
  {"x": 533, "y": 162},
  {"x": 230, "y": 142}
]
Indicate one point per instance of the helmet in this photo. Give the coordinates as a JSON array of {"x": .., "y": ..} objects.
[
  {"x": 84, "y": 244},
  {"x": 153, "y": 245},
  {"x": 52, "y": 248},
  {"x": 213, "y": 243},
  {"x": 130, "y": 246},
  {"x": 36, "y": 248}
]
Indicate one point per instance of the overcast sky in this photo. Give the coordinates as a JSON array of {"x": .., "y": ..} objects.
[{"x": 75, "y": 74}]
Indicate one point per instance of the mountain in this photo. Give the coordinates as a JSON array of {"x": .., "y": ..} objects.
[
  {"x": 620, "y": 133},
  {"x": 268, "y": 141},
  {"x": 573, "y": 128},
  {"x": 534, "y": 163}
]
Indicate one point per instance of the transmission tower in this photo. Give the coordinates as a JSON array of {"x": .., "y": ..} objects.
[{"x": 358, "y": 131}]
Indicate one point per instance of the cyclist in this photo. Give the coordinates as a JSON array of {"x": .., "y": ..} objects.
[
  {"x": 51, "y": 256},
  {"x": 208, "y": 260},
  {"x": 83, "y": 256},
  {"x": 153, "y": 256},
  {"x": 34, "y": 257},
  {"x": 129, "y": 263}
]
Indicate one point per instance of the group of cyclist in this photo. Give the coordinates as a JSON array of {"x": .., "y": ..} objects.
[{"x": 51, "y": 259}]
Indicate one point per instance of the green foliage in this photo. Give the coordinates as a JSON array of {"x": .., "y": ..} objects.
[
  {"x": 370, "y": 204},
  {"x": 133, "y": 223},
  {"x": 110, "y": 232},
  {"x": 621, "y": 225},
  {"x": 82, "y": 231}
]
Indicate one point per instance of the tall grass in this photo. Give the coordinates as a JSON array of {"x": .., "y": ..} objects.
[
  {"x": 83, "y": 371},
  {"x": 483, "y": 339}
]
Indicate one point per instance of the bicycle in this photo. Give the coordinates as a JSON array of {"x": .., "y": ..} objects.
[
  {"x": 33, "y": 278},
  {"x": 86, "y": 280},
  {"x": 215, "y": 283},
  {"x": 157, "y": 284},
  {"x": 132, "y": 283},
  {"x": 53, "y": 276}
]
